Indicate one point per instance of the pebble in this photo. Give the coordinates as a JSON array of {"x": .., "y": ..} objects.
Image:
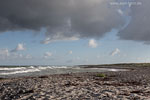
[{"x": 81, "y": 86}]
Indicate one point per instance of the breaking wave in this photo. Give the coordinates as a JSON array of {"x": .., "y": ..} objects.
[
  {"x": 22, "y": 71},
  {"x": 19, "y": 70},
  {"x": 13, "y": 68},
  {"x": 46, "y": 70}
]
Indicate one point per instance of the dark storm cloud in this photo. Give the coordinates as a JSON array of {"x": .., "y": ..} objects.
[
  {"x": 31, "y": 14},
  {"x": 139, "y": 27},
  {"x": 63, "y": 19},
  {"x": 94, "y": 18}
]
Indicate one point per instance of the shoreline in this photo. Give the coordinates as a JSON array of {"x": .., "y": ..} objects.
[{"x": 126, "y": 85}]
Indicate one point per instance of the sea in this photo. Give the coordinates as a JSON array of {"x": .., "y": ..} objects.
[{"x": 21, "y": 71}]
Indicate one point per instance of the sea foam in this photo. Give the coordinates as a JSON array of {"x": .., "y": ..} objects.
[{"x": 20, "y": 71}]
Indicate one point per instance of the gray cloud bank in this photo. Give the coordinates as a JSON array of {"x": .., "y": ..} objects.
[
  {"x": 139, "y": 27},
  {"x": 72, "y": 19}
]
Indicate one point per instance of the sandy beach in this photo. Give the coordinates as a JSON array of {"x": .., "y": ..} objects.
[{"x": 133, "y": 84}]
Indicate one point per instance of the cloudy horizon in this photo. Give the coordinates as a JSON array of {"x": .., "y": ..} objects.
[{"x": 73, "y": 32}]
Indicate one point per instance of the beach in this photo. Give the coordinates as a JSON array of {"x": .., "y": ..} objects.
[
  {"x": 74, "y": 49},
  {"x": 133, "y": 84}
]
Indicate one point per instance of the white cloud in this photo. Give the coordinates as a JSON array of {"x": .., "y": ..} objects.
[
  {"x": 58, "y": 37},
  {"x": 115, "y": 52},
  {"x": 78, "y": 58},
  {"x": 120, "y": 12},
  {"x": 98, "y": 57},
  {"x": 20, "y": 55},
  {"x": 28, "y": 56},
  {"x": 70, "y": 52},
  {"x": 15, "y": 55},
  {"x": 47, "y": 54},
  {"x": 4, "y": 53},
  {"x": 87, "y": 60},
  {"x": 92, "y": 43},
  {"x": 20, "y": 47}
]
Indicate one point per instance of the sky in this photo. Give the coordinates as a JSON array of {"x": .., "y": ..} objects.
[{"x": 74, "y": 32}]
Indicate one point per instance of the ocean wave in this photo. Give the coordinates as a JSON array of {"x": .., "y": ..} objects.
[
  {"x": 17, "y": 68},
  {"x": 59, "y": 66},
  {"x": 30, "y": 69},
  {"x": 20, "y": 71},
  {"x": 52, "y": 67}
]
